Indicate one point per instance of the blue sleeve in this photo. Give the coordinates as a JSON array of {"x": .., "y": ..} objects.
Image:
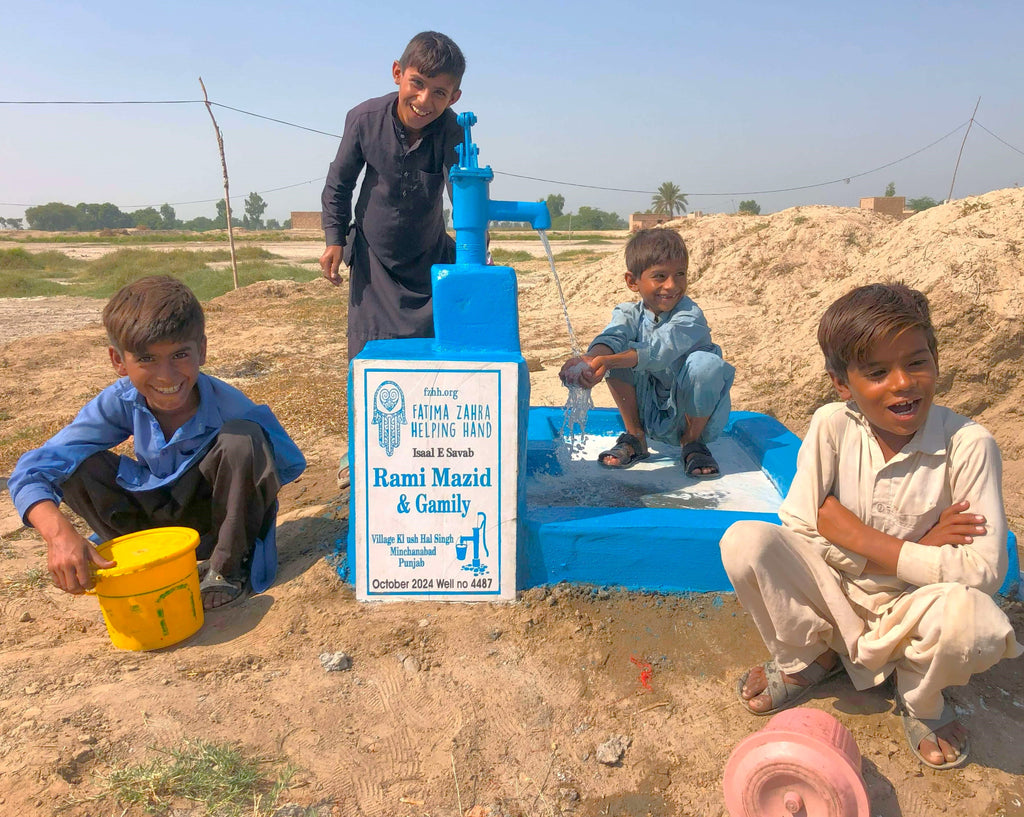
[
  {"x": 624, "y": 330},
  {"x": 670, "y": 344},
  {"x": 336, "y": 199},
  {"x": 288, "y": 459},
  {"x": 104, "y": 422}
]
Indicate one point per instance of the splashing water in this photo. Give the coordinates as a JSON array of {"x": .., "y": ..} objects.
[
  {"x": 579, "y": 403},
  {"x": 574, "y": 415}
]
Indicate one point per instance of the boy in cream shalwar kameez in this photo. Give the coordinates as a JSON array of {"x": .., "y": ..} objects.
[{"x": 878, "y": 561}]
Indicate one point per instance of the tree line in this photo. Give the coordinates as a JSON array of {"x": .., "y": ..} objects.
[{"x": 85, "y": 217}]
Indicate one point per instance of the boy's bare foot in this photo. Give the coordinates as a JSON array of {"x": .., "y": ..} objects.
[
  {"x": 941, "y": 743},
  {"x": 951, "y": 740},
  {"x": 754, "y": 691},
  {"x": 215, "y": 599},
  {"x": 216, "y": 591},
  {"x": 628, "y": 449}
]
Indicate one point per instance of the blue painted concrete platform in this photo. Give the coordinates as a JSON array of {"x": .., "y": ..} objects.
[{"x": 630, "y": 544}]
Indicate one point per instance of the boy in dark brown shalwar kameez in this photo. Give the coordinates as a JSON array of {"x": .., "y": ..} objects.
[{"x": 406, "y": 141}]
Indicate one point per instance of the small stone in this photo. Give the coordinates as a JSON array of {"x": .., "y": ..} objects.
[
  {"x": 603, "y": 593},
  {"x": 411, "y": 664},
  {"x": 26, "y": 616},
  {"x": 611, "y": 751},
  {"x": 569, "y": 794},
  {"x": 166, "y": 681},
  {"x": 335, "y": 661},
  {"x": 32, "y": 689},
  {"x": 424, "y": 622},
  {"x": 494, "y": 635},
  {"x": 88, "y": 740}
]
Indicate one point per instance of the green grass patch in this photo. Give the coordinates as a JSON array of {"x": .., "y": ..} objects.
[
  {"x": 32, "y": 579},
  {"x": 799, "y": 219},
  {"x": 500, "y": 256},
  {"x": 28, "y": 285},
  {"x": 102, "y": 277},
  {"x": 578, "y": 255},
  {"x": 24, "y": 274},
  {"x": 21, "y": 259},
  {"x": 134, "y": 239},
  {"x": 531, "y": 235},
  {"x": 227, "y": 781}
]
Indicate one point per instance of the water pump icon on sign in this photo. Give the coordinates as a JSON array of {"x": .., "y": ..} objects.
[{"x": 477, "y": 540}]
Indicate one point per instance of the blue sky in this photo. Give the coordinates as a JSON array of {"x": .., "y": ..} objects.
[{"x": 725, "y": 97}]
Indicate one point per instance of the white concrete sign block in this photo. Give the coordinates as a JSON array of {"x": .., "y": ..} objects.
[{"x": 435, "y": 479}]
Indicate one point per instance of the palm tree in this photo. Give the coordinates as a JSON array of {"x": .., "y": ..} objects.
[{"x": 669, "y": 200}]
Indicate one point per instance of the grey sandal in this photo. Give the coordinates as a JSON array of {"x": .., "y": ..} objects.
[
  {"x": 918, "y": 729},
  {"x": 784, "y": 694}
]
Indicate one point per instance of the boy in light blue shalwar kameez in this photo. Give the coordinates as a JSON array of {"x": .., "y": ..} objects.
[{"x": 667, "y": 378}]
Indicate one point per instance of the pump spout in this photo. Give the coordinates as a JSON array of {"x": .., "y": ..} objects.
[{"x": 535, "y": 212}]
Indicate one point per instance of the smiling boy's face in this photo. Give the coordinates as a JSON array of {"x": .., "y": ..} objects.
[
  {"x": 894, "y": 387},
  {"x": 661, "y": 286},
  {"x": 165, "y": 374},
  {"x": 421, "y": 99}
]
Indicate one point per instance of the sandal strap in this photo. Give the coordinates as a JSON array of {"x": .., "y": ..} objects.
[{"x": 919, "y": 729}]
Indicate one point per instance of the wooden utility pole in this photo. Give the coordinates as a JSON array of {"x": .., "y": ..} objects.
[
  {"x": 961, "y": 153},
  {"x": 227, "y": 194}
]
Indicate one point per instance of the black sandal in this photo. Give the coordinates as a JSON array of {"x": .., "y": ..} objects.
[
  {"x": 696, "y": 456},
  {"x": 628, "y": 450},
  {"x": 214, "y": 582}
]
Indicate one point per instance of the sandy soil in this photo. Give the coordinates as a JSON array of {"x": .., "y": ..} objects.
[{"x": 497, "y": 709}]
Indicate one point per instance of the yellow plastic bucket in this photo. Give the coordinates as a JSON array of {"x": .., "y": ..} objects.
[{"x": 151, "y": 598}]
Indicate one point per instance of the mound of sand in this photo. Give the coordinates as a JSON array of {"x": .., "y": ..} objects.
[{"x": 764, "y": 282}]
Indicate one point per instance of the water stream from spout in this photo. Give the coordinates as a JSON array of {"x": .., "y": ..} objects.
[
  {"x": 578, "y": 404},
  {"x": 573, "y": 344}
]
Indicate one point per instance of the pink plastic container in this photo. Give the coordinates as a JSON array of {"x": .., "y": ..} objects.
[{"x": 804, "y": 763}]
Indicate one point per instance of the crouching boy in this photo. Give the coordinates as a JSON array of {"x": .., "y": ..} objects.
[
  {"x": 893, "y": 534},
  {"x": 206, "y": 456},
  {"x": 667, "y": 378}
]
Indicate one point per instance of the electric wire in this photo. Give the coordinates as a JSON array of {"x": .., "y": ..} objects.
[{"x": 840, "y": 180}]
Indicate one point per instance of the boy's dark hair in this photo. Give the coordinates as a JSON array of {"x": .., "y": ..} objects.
[
  {"x": 654, "y": 245},
  {"x": 151, "y": 310},
  {"x": 432, "y": 53},
  {"x": 858, "y": 320}
]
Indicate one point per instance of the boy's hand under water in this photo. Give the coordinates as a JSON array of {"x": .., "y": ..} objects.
[{"x": 580, "y": 371}]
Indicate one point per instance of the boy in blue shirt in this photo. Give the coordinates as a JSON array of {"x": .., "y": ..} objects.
[
  {"x": 406, "y": 142},
  {"x": 206, "y": 456},
  {"x": 667, "y": 378}
]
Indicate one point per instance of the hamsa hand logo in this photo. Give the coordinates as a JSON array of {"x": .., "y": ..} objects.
[{"x": 389, "y": 415}]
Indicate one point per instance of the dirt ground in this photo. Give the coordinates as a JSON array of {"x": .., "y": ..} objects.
[{"x": 497, "y": 709}]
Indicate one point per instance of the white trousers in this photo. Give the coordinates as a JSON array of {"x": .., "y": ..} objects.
[{"x": 933, "y": 637}]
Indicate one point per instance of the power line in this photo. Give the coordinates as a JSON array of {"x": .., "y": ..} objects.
[
  {"x": 99, "y": 101},
  {"x": 845, "y": 179},
  {"x": 556, "y": 182},
  {"x": 1011, "y": 147},
  {"x": 280, "y": 121}
]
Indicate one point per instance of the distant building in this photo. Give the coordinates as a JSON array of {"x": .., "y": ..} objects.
[
  {"x": 641, "y": 221},
  {"x": 306, "y": 220},
  {"x": 887, "y": 205}
]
